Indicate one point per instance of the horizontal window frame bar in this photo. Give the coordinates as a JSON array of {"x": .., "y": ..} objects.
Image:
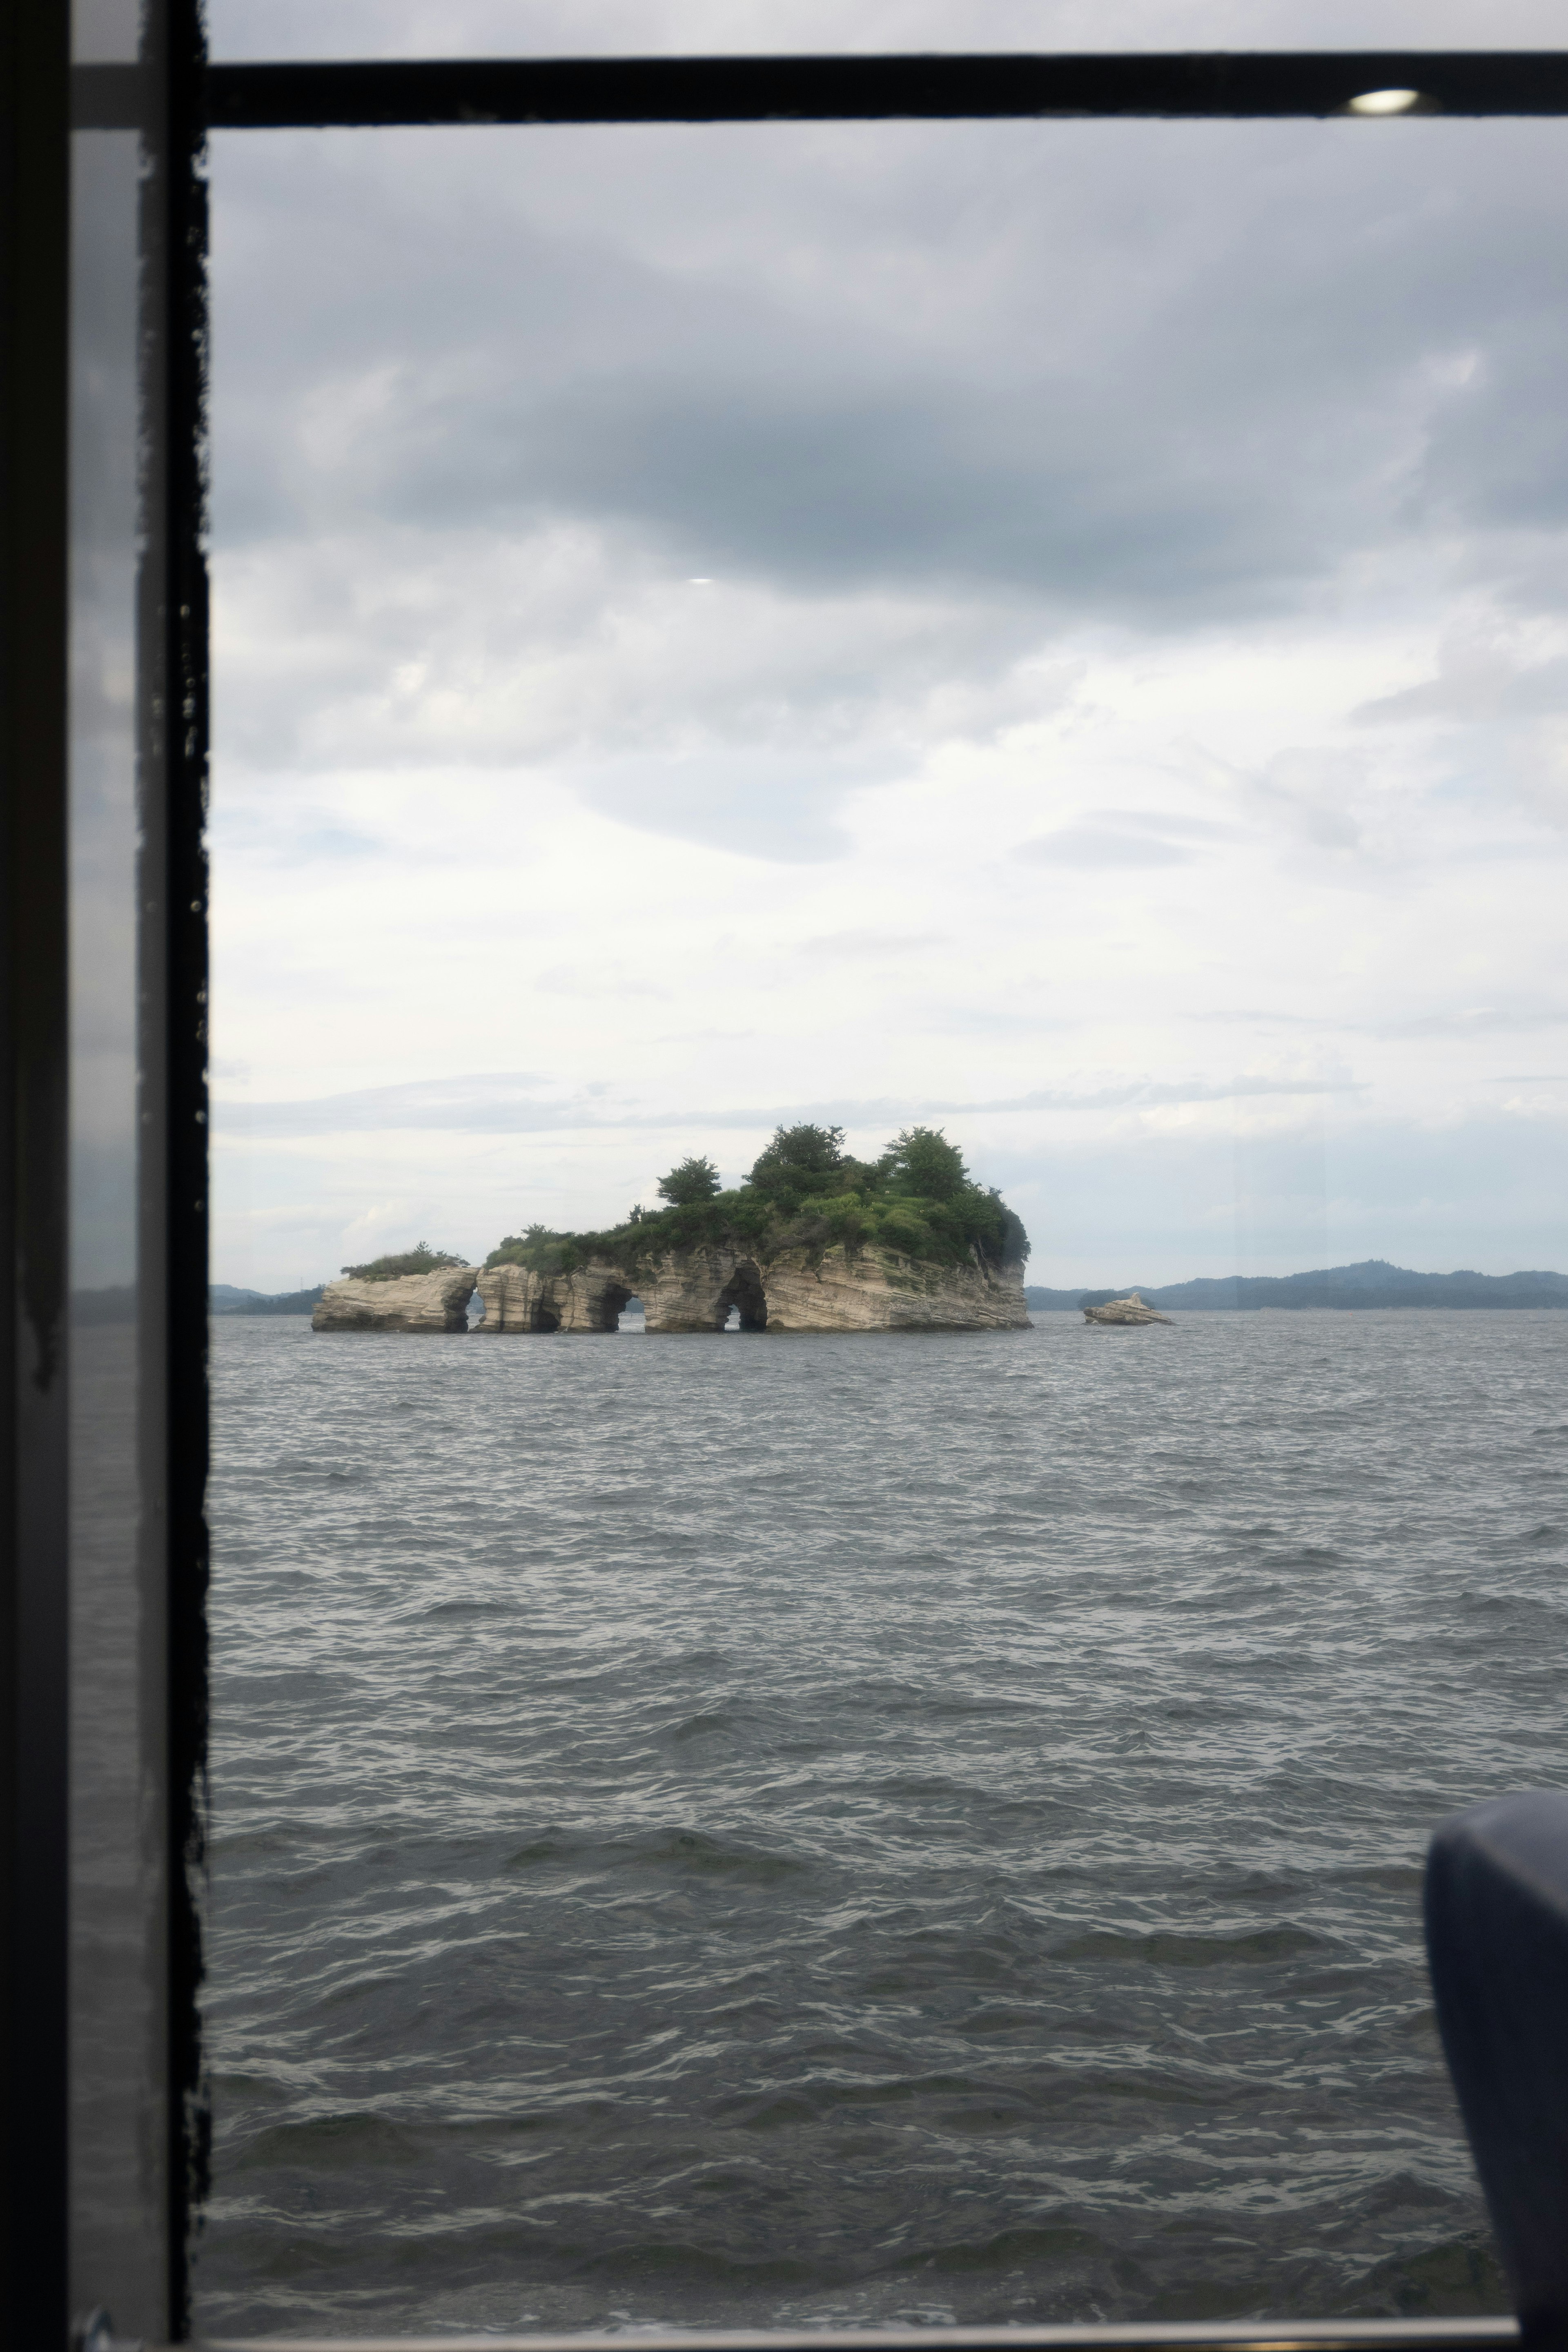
[
  {"x": 391, "y": 93},
  {"x": 1189, "y": 2335}
]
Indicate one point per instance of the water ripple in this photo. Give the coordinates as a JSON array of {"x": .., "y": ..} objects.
[{"x": 778, "y": 1830}]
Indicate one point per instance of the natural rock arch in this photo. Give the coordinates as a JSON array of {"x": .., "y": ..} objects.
[
  {"x": 803, "y": 1289},
  {"x": 610, "y": 1304},
  {"x": 745, "y": 1292}
]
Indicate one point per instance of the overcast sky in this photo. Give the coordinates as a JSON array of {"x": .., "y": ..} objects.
[{"x": 1060, "y": 631}]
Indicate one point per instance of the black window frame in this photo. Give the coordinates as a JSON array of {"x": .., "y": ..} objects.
[{"x": 174, "y": 96}]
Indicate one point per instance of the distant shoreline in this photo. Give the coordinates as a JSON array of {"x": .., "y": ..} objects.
[
  {"x": 224, "y": 1299},
  {"x": 1372, "y": 1284}
]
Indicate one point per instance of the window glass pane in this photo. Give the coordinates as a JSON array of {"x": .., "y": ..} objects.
[
  {"x": 118, "y": 2168},
  {"x": 1055, "y": 634}
]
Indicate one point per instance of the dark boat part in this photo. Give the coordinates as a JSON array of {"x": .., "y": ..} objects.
[{"x": 1497, "y": 1942}]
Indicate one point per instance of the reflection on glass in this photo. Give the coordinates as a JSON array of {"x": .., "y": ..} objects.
[
  {"x": 1051, "y": 634},
  {"x": 118, "y": 2162}
]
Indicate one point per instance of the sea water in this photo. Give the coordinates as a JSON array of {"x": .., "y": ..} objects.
[{"x": 856, "y": 1829}]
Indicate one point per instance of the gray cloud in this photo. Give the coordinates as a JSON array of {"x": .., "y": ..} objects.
[
  {"x": 934, "y": 449},
  {"x": 870, "y": 946},
  {"x": 539, "y": 326},
  {"x": 1185, "y": 828},
  {"x": 765, "y": 803},
  {"x": 503, "y": 1104},
  {"x": 1467, "y": 1021},
  {"x": 1477, "y": 1021},
  {"x": 1477, "y": 679},
  {"x": 1139, "y": 1093},
  {"x": 425, "y": 1102},
  {"x": 1089, "y": 845}
]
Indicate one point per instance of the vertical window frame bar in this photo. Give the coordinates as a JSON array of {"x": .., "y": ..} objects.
[
  {"x": 34, "y": 58},
  {"x": 176, "y": 1215}
]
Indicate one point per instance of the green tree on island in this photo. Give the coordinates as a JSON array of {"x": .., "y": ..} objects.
[
  {"x": 806, "y": 1191},
  {"x": 799, "y": 1159},
  {"x": 420, "y": 1259},
  {"x": 920, "y": 1160},
  {"x": 692, "y": 1180}
]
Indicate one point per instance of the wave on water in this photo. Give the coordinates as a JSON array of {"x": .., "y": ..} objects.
[{"x": 779, "y": 1831}]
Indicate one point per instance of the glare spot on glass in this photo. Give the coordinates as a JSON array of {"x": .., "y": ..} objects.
[{"x": 1384, "y": 101}]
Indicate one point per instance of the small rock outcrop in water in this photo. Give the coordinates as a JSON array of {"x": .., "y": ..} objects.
[
  {"x": 1129, "y": 1309},
  {"x": 409, "y": 1302}
]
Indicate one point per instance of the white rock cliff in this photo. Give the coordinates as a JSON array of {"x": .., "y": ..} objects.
[
  {"x": 797, "y": 1290},
  {"x": 413, "y": 1302}
]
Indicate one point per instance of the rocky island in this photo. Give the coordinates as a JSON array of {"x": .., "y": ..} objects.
[
  {"x": 422, "y": 1290},
  {"x": 814, "y": 1240},
  {"x": 1130, "y": 1310}
]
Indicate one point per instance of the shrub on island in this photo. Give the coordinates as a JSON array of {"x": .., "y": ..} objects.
[
  {"x": 804, "y": 1192},
  {"x": 420, "y": 1259}
]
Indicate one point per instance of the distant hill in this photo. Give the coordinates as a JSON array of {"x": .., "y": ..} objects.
[
  {"x": 223, "y": 1298},
  {"x": 1372, "y": 1283}
]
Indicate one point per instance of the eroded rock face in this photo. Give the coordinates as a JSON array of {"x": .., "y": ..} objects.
[
  {"x": 690, "y": 1290},
  {"x": 415, "y": 1302},
  {"x": 879, "y": 1291},
  {"x": 694, "y": 1290},
  {"x": 588, "y": 1299}
]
